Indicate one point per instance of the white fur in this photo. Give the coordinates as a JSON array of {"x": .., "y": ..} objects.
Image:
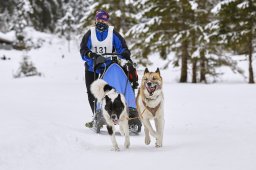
[{"x": 97, "y": 89}]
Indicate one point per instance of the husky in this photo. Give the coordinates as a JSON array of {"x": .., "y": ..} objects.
[
  {"x": 150, "y": 105},
  {"x": 114, "y": 110}
]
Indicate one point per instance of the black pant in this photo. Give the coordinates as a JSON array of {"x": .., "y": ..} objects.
[{"x": 89, "y": 78}]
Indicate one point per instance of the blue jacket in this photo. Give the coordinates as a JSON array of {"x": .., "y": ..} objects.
[{"x": 119, "y": 46}]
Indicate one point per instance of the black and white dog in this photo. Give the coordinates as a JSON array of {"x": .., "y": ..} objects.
[{"x": 114, "y": 110}]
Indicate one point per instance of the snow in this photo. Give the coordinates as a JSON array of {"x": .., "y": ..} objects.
[
  {"x": 212, "y": 25},
  {"x": 7, "y": 36},
  {"x": 217, "y": 8},
  {"x": 42, "y": 120},
  {"x": 243, "y": 5},
  {"x": 193, "y": 4},
  {"x": 196, "y": 53},
  {"x": 118, "y": 13},
  {"x": 27, "y": 6}
]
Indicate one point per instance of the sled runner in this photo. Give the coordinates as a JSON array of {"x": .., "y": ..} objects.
[{"x": 124, "y": 80}]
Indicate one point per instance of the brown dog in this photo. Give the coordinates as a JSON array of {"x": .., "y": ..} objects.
[{"x": 150, "y": 105}]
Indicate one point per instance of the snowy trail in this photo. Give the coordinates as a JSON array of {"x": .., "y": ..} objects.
[
  {"x": 42, "y": 122},
  {"x": 207, "y": 127}
]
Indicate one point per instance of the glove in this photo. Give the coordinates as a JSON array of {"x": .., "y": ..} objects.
[
  {"x": 126, "y": 55},
  {"x": 98, "y": 61},
  {"x": 92, "y": 55}
]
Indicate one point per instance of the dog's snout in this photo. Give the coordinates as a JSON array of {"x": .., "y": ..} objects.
[
  {"x": 114, "y": 116},
  {"x": 149, "y": 84}
]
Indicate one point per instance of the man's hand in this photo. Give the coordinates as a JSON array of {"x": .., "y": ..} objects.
[
  {"x": 92, "y": 55},
  {"x": 98, "y": 61},
  {"x": 126, "y": 55}
]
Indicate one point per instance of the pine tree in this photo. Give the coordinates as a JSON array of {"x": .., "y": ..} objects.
[
  {"x": 183, "y": 35},
  {"x": 22, "y": 11},
  {"x": 78, "y": 8},
  {"x": 237, "y": 28},
  {"x": 119, "y": 11},
  {"x": 156, "y": 25},
  {"x": 66, "y": 26},
  {"x": 45, "y": 14},
  {"x": 7, "y": 9},
  {"x": 201, "y": 46},
  {"x": 42, "y": 15}
]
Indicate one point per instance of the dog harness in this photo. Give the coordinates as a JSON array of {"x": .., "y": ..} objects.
[{"x": 152, "y": 110}]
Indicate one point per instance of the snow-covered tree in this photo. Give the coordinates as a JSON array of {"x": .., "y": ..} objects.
[
  {"x": 237, "y": 22},
  {"x": 183, "y": 36},
  {"x": 156, "y": 24},
  {"x": 22, "y": 12},
  {"x": 66, "y": 26},
  {"x": 42, "y": 15},
  {"x": 77, "y": 9},
  {"x": 120, "y": 14},
  {"x": 45, "y": 14},
  {"x": 201, "y": 48},
  {"x": 6, "y": 11}
]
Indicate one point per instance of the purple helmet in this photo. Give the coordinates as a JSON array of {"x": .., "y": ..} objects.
[{"x": 102, "y": 15}]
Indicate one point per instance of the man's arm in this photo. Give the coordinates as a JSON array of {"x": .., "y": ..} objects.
[
  {"x": 120, "y": 45},
  {"x": 85, "y": 45}
]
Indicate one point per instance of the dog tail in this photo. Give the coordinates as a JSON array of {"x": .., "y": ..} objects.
[{"x": 99, "y": 88}]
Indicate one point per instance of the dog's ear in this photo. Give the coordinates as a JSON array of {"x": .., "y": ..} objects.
[
  {"x": 119, "y": 96},
  {"x": 108, "y": 104},
  {"x": 118, "y": 102},
  {"x": 157, "y": 71},
  {"x": 107, "y": 99},
  {"x": 146, "y": 70}
]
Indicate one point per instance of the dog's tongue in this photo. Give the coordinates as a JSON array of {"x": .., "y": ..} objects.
[{"x": 151, "y": 89}]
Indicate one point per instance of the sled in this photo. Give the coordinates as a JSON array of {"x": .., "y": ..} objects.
[{"x": 117, "y": 76}]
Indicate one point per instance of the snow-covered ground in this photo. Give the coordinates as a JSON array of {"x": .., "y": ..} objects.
[{"x": 208, "y": 127}]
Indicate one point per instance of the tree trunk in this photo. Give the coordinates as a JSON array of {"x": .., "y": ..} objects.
[
  {"x": 194, "y": 70},
  {"x": 250, "y": 43},
  {"x": 251, "y": 77},
  {"x": 194, "y": 59},
  {"x": 184, "y": 62},
  {"x": 202, "y": 67}
]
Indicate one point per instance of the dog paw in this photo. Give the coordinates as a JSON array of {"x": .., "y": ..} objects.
[
  {"x": 147, "y": 140},
  {"x": 158, "y": 144},
  {"x": 115, "y": 148}
]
